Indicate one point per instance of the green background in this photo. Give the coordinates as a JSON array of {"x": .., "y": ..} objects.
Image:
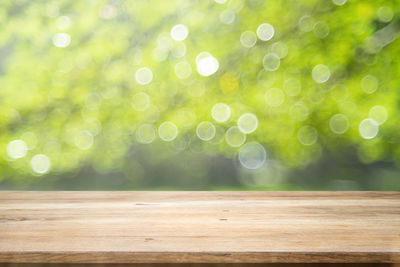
[{"x": 70, "y": 92}]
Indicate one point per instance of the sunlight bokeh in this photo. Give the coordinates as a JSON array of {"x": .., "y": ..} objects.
[{"x": 200, "y": 94}]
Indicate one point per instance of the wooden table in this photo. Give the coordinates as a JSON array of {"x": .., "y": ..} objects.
[{"x": 199, "y": 227}]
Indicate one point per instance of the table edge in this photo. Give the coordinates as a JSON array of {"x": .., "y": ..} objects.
[{"x": 200, "y": 257}]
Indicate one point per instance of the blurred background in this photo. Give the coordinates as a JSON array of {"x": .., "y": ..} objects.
[{"x": 200, "y": 95}]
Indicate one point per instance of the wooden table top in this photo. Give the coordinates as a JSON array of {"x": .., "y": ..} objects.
[{"x": 199, "y": 227}]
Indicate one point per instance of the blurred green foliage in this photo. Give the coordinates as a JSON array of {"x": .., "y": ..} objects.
[{"x": 248, "y": 90}]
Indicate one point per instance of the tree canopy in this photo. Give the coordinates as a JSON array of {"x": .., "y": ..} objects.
[{"x": 85, "y": 83}]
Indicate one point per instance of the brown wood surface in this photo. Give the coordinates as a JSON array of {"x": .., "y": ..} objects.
[
  {"x": 199, "y": 265},
  {"x": 199, "y": 227}
]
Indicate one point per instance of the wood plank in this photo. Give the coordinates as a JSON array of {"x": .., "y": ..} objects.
[
  {"x": 199, "y": 227},
  {"x": 199, "y": 265}
]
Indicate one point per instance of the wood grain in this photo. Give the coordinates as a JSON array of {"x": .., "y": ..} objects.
[
  {"x": 199, "y": 227},
  {"x": 199, "y": 265}
]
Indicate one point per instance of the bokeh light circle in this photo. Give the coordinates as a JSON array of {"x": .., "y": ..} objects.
[
  {"x": 84, "y": 140},
  {"x": 17, "y": 149},
  {"x": 227, "y": 16},
  {"x": 40, "y": 164},
  {"x": 248, "y": 39},
  {"x": 368, "y": 128},
  {"x": 206, "y": 64},
  {"x": 183, "y": 70},
  {"x": 235, "y": 137},
  {"x": 265, "y": 32},
  {"x": 339, "y": 123},
  {"x": 146, "y": 133},
  {"x": 205, "y": 130},
  {"x": 221, "y": 112},
  {"x": 252, "y": 155},
  {"x": 144, "y": 76},
  {"x": 140, "y": 101},
  {"x": 179, "y": 32},
  {"x": 306, "y": 23},
  {"x": 369, "y": 84},
  {"x": 321, "y": 29},
  {"x": 307, "y": 135},
  {"x": 167, "y": 131},
  {"x": 248, "y": 123},
  {"x": 61, "y": 39},
  {"x": 321, "y": 73},
  {"x": 339, "y": 2},
  {"x": 378, "y": 114},
  {"x": 385, "y": 14},
  {"x": 271, "y": 61}
]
